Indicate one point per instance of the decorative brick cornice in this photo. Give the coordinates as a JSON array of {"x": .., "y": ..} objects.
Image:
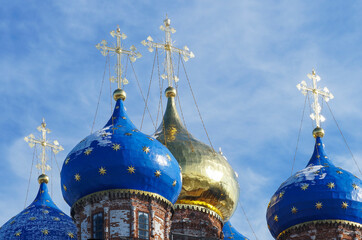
[
  {"x": 117, "y": 194},
  {"x": 329, "y": 222},
  {"x": 198, "y": 208}
]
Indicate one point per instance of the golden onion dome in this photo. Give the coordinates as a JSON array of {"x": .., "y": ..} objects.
[{"x": 207, "y": 178}]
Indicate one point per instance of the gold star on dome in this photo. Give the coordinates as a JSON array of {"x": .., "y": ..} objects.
[
  {"x": 131, "y": 169},
  {"x": 269, "y": 204},
  {"x": 77, "y": 177},
  {"x": 88, "y": 151},
  {"x": 150, "y": 138},
  {"x": 146, "y": 149},
  {"x": 344, "y": 205},
  {"x": 318, "y": 144},
  {"x": 104, "y": 134},
  {"x": 355, "y": 186},
  {"x": 42, "y": 191},
  {"x": 45, "y": 211},
  {"x": 276, "y": 218},
  {"x": 331, "y": 185},
  {"x": 134, "y": 130},
  {"x": 325, "y": 157},
  {"x": 102, "y": 171},
  {"x": 26, "y": 213},
  {"x": 32, "y": 218},
  {"x": 56, "y": 219},
  {"x": 128, "y": 134},
  {"x": 12, "y": 222},
  {"x": 318, "y": 205},
  {"x": 174, "y": 183},
  {"x": 18, "y": 233},
  {"x": 117, "y": 107},
  {"x": 318, "y": 156},
  {"x": 124, "y": 118},
  {"x": 45, "y": 231},
  {"x": 67, "y": 161},
  {"x": 47, "y": 200},
  {"x": 71, "y": 235},
  {"x": 168, "y": 157},
  {"x": 294, "y": 210},
  {"x": 281, "y": 194},
  {"x": 158, "y": 173},
  {"x": 61, "y": 214},
  {"x": 316, "y": 172},
  {"x": 304, "y": 186},
  {"x": 64, "y": 187},
  {"x": 339, "y": 172},
  {"x": 116, "y": 147}
]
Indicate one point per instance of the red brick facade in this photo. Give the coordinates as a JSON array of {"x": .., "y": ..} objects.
[
  {"x": 121, "y": 209},
  {"x": 191, "y": 222},
  {"x": 323, "y": 230}
]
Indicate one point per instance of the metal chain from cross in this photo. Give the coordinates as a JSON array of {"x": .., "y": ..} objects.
[
  {"x": 55, "y": 147},
  {"x": 169, "y": 49},
  {"x": 324, "y": 93},
  {"x": 119, "y": 50}
]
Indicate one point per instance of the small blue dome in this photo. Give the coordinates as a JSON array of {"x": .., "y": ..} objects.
[
  {"x": 231, "y": 233},
  {"x": 40, "y": 220},
  {"x": 120, "y": 157},
  {"x": 320, "y": 191}
]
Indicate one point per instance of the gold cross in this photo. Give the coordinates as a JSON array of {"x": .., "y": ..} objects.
[
  {"x": 43, "y": 142},
  {"x": 326, "y": 95},
  {"x": 119, "y": 50},
  {"x": 169, "y": 49}
]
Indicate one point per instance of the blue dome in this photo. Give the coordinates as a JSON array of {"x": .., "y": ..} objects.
[
  {"x": 41, "y": 220},
  {"x": 231, "y": 233},
  {"x": 120, "y": 157},
  {"x": 320, "y": 191}
]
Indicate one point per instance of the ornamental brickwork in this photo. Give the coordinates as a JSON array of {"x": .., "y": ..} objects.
[
  {"x": 120, "y": 211},
  {"x": 323, "y": 230},
  {"x": 191, "y": 222}
]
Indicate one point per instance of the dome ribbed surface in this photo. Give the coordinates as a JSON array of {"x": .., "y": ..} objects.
[
  {"x": 120, "y": 157},
  {"x": 208, "y": 179},
  {"x": 41, "y": 220},
  {"x": 321, "y": 191}
]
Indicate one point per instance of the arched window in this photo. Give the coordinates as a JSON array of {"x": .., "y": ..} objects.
[
  {"x": 97, "y": 226},
  {"x": 143, "y": 227}
]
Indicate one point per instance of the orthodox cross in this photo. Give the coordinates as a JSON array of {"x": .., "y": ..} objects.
[
  {"x": 169, "y": 49},
  {"x": 324, "y": 93},
  {"x": 119, "y": 50},
  {"x": 32, "y": 141}
]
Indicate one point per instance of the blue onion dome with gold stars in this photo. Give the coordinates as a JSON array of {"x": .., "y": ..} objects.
[
  {"x": 120, "y": 157},
  {"x": 208, "y": 179},
  {"x": 231, "y": 233},
  {"x": 321, "y": 192},
  {"x": 42, "y": 219}
]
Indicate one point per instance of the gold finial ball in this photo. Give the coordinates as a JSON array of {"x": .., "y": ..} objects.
[
  {"x": 318, "y": 132},
  {"x": 43, "y": 179},
  {"x": 170, "y": 92},
  {"x": 119, "y": 94}
]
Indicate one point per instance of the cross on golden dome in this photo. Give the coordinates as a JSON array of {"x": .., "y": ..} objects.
[
  {"x": 44, "y": 143},
  {"x": 119, "y": 50},
  {"x": 324, "y": 93},
  {"x": 169, "y": 49}
]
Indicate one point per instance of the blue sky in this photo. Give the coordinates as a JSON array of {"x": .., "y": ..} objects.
[{"x": 249, "y": 57}]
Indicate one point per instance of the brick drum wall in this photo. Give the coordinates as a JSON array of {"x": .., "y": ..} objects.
[
  {"x": 323, "y": 230},
  {"x": 120, "y": 213},
  {"x": 192, "y": 222}
]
